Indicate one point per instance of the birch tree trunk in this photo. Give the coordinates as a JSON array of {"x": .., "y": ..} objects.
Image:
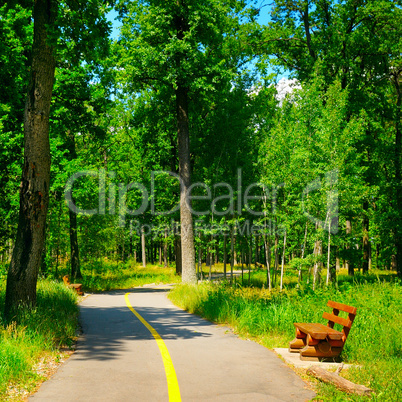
[
  {"x": 267, "y": 258},
  {"x": 283, "y": 260},
  {"x": 329, "y": 254},
  {"x": 348, "y": 262}
]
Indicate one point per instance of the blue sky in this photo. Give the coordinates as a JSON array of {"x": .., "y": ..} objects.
[{"x": 111, "y": 16}]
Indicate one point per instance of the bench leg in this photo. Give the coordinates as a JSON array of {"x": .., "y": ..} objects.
[
  {"x": 296, "y": 345},
  {"x": 319, "y": 352},
  {"x": 299, "y": 342}
]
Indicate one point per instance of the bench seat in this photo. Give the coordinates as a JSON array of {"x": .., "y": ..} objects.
[{"x": 319, "y": 331}]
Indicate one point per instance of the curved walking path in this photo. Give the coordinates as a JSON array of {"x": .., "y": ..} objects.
[{"x": 119, "y": 359}]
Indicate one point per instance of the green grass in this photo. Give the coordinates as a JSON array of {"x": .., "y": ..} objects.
[
  {"x": 374, "y": 343},
  {"x": 37, "y": 337},
  {"x": 110, "y": 275}
]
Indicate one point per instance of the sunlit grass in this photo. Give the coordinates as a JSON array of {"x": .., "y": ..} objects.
[
  {"x": 110, "y": 275},
  {"x": 38, "y": 335},
  {"x": 374, "y": 342}
]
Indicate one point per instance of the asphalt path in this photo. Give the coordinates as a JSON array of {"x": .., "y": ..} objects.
[{"x": 119, "y": 359}]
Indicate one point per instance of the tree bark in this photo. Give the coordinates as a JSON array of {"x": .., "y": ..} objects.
[
  {"x": 143, "y": 251},
  {"x": 34, "y": 191},
  {"x": 299, "y": 277},
  {"x": 283, "y": 260},
  {"x": 165, "y": 249},
  {"x": 183, "y": 138},
  {"x": 178, "y": 249},
  {"x": 398, "y": 172},
  {"x": 338, "y": 381},
  {"x": 329, "y": 276},
  {"x": 267, "y": 259},
  {"x": 366, "y": 242},
  {"x": 74, "y": 250},
  {"x": 224, "y": 255},
  {"x": 186, "y": 218},
  {"x": 231, "y": 253},
  {"x": 317, "y": 263},
  {"x": 276, "y": 253},
  {"x": 348, "y": 262}
]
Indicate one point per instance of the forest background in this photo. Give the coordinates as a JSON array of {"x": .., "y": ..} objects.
[
  {"x": 319, "y": 170},
  {"x": 301, "y": 185}
]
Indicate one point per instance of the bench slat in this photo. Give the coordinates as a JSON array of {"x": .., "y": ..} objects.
[
  {"x": 342, "y": 307},
  {"x": 319, "y": 331},
  {"x": 339, "y": 320}
]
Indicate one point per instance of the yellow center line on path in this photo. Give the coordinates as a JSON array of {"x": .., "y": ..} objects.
[{"x": 173, "y": 385}]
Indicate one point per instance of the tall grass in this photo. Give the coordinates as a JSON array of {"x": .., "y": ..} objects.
[
  {"x": 108, "y": 275},
  {"x": 374, "y": 343},
  {"x": 38, "y": 335}
]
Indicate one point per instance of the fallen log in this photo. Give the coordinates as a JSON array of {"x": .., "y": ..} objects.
[{"x": 338, "y": 381}]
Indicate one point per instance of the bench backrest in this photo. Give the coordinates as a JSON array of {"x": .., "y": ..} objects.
[{"x": 334, "y": 317}]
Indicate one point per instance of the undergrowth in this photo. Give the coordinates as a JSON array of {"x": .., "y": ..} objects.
[
  {"x": 38, "y": 336},
  {"x": 109, "y": 275},
  {"x": 373, "y": 345}
]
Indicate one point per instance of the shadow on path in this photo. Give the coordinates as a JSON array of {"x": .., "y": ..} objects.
[{"x": 106, "y": 329}]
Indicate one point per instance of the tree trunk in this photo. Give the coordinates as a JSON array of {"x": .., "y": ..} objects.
[
  {"x": 329, "y": 278},
  {"x": 231, "y": 253},
  {"x": 130, "y": 250},
  {"x": 283, "y": 260},
  {"x": 123, "y": 247},
  {"x": 317, "y": 263},
  {"x": 257, "y": 250},
  {"x": 348, "y": 262},
  {"x": 178, "y": 250},
  {"x": 186, "y": 219},
  {"x": 58, "y": 241},
  {"x": 165, "y": 250},
  {"x": 200, "y": 257},
  {"x": 276, "y": 262},
  {"x": 74, "y": 250},
  {"x": 250, "y": 258},
  {"x": 300, "y": 275},
  {"x": 143, "y": 250},
  {"x": 224, "y": 256},
  {"x": 267, "y": 259},
  {"x": 34, "y": 191},
  {"x": 398, "y": 171},
  {"x": 366, "y": 241},
  {"x": 337, "y": 260}
]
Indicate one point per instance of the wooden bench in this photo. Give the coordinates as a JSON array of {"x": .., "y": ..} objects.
[
  {"x": 318, "y": 342},
  {"x": 75, "y": 286}
]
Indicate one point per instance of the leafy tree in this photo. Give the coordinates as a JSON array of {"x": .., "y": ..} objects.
[
  {"x": 15, "y": 45},
  {"x": 355, "y": 43},
  {"x": 182, "y": 47},
  {"x": 50, "y": 18}
]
